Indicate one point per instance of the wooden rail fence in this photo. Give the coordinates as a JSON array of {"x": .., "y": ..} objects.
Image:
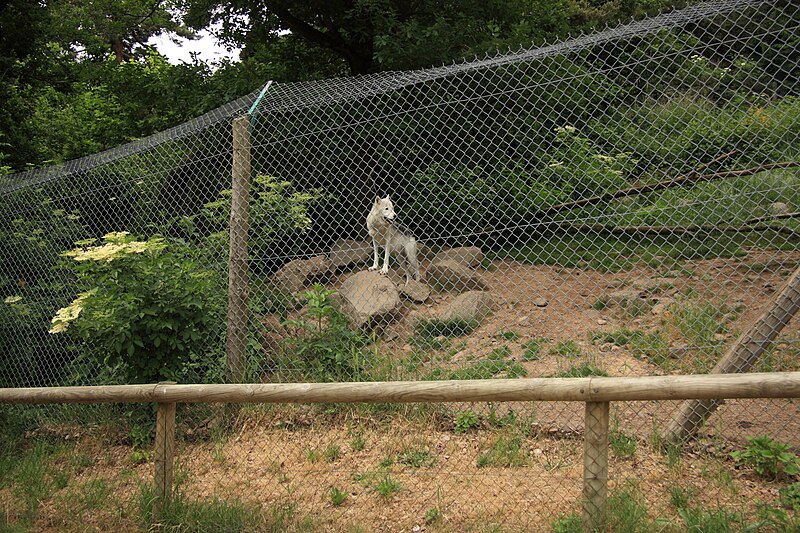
[{"x": 596, "y": 392}]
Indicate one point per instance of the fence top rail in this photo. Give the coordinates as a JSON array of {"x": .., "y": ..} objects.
[{"x": 591, "y": 389}]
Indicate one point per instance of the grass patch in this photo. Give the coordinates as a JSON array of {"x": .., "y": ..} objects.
[
  {"x": 483, "y": 369},
  {"x": 584, "y": 370},
  {"x": 533, "y": 348},
  {"x": 183, "y": 514},
  {"x": 387, "y": 486},
  {"x": 505, "y": 451},
  {"x": 507, "y": 335},
  {"x": 416, "y": 458},
  {"x": 439, "y": 327},
  {"x": 566, "y": 349}
]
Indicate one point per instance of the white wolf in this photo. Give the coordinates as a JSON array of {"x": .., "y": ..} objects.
[{"x": 386, "y": 234}]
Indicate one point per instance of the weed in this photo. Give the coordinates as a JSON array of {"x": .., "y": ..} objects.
[
  {"x": 508, "y": 419},
  {"x": 583, "y": 370},
  {"x": 652, "y": 347},
  {"x": 770, "y": 459},
  {"x": 599, "y": 304},
  {"x": 387, "y": 486},
  {"x": 484, "y": 369},
  {"x": 571, "y": 523},
  {"x": 465, "y": 421},
  {"x": 434, "y": 514},
  {"x": 357, "y": 443},
  {"x": 532, "y": 348},
  {"x": 622, "y": 445},
  {"x": 790, "y": 496},
  {"x": 620, "y": 337},
  {"x": 337, "y": 496},
  {"x": 332, "y": 452},
  {"x": 313, "y": 455},
  {"x": 567, "y": 349},
  {"x": 499, "y": 353},
  {"x": 440, "y": 327},
  {"x": 416, "y": 458},
  {"x": 505, "y": 451},
  {"x": 507, "y": 335},
  {"x": 680, "y": 497}
]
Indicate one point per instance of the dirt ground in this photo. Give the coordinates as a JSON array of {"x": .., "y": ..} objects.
[{"x": 293, "y": 455}]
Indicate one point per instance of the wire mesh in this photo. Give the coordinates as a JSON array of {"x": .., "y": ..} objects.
[{"x": 623, "y": 203}]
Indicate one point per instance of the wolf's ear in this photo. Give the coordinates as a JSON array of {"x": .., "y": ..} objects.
[
  {"x": 377, "y": 199},
  {"x": 387, "y": 197}
]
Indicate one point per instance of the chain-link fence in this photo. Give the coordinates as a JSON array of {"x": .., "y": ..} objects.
[{"x": 623, "y": 203}]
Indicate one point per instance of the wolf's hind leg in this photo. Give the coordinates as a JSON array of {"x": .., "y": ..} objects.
[{"x": 412, "y": 265}]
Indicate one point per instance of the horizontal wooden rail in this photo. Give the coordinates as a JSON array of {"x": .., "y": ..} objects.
[{"x": 591, "y": 389}]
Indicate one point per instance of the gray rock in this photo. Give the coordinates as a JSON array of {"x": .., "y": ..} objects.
[
  {"x": 296, "y": 275},
  {"x": 470, "y": 256},
  {"x": 778, "y": 208},
  {"x": 621, "y": 297},
  {"x": 369, "y": 298},
  {"x": 455, "y": 277},
  {"x": 346, "y": 252},
  {"x": 472, "y": 305},
  {"x": 415, "y": 291},
  {"x": 540, "y": 302}
]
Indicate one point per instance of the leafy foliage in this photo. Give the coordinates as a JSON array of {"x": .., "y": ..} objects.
[
  {"x": 149, "y": 311},
  {"x": 768, "y": 458}
]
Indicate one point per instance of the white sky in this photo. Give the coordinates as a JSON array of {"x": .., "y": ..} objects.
[{"x": 178, "y": 52}]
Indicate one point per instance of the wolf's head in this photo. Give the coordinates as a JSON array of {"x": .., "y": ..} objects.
[{"x": 384, "y": 207}]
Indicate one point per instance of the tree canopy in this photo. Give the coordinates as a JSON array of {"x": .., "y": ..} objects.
[{"x": 80, "y": 77}]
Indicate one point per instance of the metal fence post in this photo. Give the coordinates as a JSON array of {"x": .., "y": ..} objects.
[
  {"x": 164, "y": 454},
  {"x": 595, "y": 465}
]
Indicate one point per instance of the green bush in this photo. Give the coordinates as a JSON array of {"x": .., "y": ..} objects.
[
  {"x": 147, "y": 311},
  {"x": 323, "y": 346}
]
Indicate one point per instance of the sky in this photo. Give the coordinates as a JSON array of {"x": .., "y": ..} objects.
[{"x": 206, "y": 46}]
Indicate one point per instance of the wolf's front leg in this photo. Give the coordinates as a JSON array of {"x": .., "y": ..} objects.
[
  {"x": 385, "y": 269},
  {"x": 375, "y": 256}
]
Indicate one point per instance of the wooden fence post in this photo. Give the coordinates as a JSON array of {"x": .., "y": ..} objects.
[
  {"x": 238, "y": 291},
  {"x": 740, "y": 358},
  {"x": 595, "y": 465},
  {"x": 164, "y": 454}
]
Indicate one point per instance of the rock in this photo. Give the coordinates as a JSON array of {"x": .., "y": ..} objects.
[
  {"x": 659, "y": 309},
  {"x": 295, "y": 275},
  {"x": 346, "y": 252},
  {"x": 540, "y": 302},
  {"x": 472, "y": 305},
  {"x": 602, "y": 321},
  {"x": 778, "y": 208},
  {"x": 621, "y": 297},
  {"x": 369, "y": 298},
  {"x": 452, "y": 276},
  {"x": 415, "y": 291},
  {"x": 652, "y": 285},
  {"x": 469, "y": 256}
]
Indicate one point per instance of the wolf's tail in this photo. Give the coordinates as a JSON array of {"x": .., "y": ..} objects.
[{"x": 413, "y": 262}]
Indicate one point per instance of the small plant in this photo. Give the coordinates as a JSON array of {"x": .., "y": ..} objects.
[
  {"x": 465, "y": 421},
  {"x": 313, "y": 455},
  {"x": 332, "y": 452},
  {"x": 440, "y": 327},
  {"x": 508, "y": 419},
  {"x": 507, "y": 335},
  {"x": 506, "y": 451},
  {"x": 790, "y": 496},
  {"x": 599, "y": 304},
  {"x": 357, "y": 443},
  {"x": 567, "y": 349},
  {"x": 434, "y": 514},
  {"x": 584, "y": 370},
  {"x": 387, "y": 486},
  {"x": 770, "y": 459},
  {"x": 337, "y": 496},
  {"x": 416, "y": 458},
  {"x": 622, "y": 444},
  {"x": 533, "y": 348}
]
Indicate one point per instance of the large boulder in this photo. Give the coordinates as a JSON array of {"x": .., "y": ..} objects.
[
  {"x": 369, "y": 298},
  {"x": 346, "y": 252},
  {"x": 296, "y": 275},
  {"x": 469, "y": 256},
  {"x": 472, "y": 305},
  {"x": 454, "y": 277}
]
